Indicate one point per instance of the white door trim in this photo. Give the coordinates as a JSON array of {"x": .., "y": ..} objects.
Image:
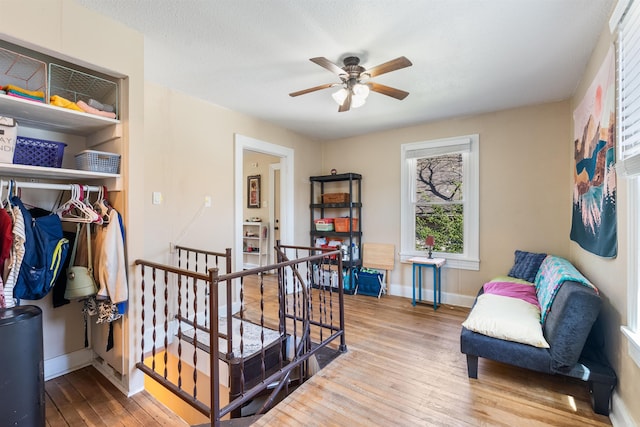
[
  {"x": 286, "y": 189},
  {"x": 273, "y": 167}
]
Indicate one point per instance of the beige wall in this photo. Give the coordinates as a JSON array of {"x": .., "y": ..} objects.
[
  {"x": 257, "y": 164},
  {"x": 190, "y": 154},
  {"x": 610, "y": 275},
  {"x": 523, "y": 200}
]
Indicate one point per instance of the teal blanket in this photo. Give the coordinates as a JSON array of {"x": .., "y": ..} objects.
[{"x": 553, "y": 272}]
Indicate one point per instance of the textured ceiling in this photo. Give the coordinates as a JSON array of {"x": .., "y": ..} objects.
[{"x": 469, "y": 56}]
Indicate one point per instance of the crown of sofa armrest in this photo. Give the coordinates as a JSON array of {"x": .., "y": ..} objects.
[{"x": 568, "y": 323}]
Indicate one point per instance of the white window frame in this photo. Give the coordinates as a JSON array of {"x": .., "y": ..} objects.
[
  {"x": 469, "y": 259},
  {"x": 624, "y": 20},
  {"x": 633, "y": 273}
]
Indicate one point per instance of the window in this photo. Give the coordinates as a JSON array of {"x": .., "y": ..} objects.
[
  {"x": 439, "y": 197},
  {"x": 626, "y": 17}
]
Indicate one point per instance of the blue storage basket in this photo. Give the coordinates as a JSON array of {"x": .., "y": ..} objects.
[
  {"x": 38, "y": 152},
  {"x": 369, "y": 282}
]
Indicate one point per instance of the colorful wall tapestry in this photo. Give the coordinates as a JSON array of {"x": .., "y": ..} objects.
[{"x": 593, "y": 225}]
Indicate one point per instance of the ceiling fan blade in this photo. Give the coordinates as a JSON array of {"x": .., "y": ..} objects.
[
  {"x": 394, "y": 64},
  {"x": 346, "y": 105},
  {"x": 325, "y": 63},
  {"x": 313, "y": 89},
  {"x": 387, "y": 90}
]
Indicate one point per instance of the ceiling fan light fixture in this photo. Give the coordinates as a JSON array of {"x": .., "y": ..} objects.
[
  {"x": 358, "y": 101},
  {"x": 340, "y": 96},
  {"x": 355, "y": 81},
  {"x": 361, "y": 90}
]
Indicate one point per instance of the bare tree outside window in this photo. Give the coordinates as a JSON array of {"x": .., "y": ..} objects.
[{"x": 439, "y": 202}]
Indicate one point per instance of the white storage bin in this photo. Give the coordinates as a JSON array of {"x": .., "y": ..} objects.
[{"x": 97, "y": 161}]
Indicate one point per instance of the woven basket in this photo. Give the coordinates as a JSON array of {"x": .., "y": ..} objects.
[
  {"x": 38, "y": 152},
  {"x": 335, "y": 198}
]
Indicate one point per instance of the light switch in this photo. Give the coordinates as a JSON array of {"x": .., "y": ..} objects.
[{"x": 156, "y": 198}]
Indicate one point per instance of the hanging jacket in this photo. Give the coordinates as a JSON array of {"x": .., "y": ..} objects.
[{"x": 45, "y": 250}]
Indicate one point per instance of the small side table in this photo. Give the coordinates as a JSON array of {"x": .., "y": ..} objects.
[{"x": 436, "y": 264}]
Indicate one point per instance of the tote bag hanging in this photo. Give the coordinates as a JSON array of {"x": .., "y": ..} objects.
[{"x": 80, "y": 282}]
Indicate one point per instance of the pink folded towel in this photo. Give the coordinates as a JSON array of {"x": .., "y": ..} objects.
[{"x": 88, "y": 109}]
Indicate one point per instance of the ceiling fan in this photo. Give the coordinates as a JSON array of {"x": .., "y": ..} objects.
[{"x": 355, "y": 84}]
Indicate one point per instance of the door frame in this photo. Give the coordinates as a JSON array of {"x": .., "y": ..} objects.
[
  {"x": 287, "y": 219},
  {"x": 273, "y": 167}
]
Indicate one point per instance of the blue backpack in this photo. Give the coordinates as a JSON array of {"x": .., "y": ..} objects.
[{"x": 45, "y": 252}]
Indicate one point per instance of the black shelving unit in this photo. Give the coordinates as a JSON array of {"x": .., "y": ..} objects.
[{"x": 350, "y": 183}]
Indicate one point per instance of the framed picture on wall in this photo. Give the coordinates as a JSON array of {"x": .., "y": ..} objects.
[{"x": 253, "y": 191}]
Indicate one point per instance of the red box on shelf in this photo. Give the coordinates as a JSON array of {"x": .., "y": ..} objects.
[
  {"x": 333, "y": 248},
  {"x": 342, "y": 224}
]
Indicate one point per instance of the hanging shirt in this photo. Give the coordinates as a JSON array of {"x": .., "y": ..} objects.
[
  {"x": 6, "y": 235},
  {"x": 17, "y": 254},
  {"x": 111, "y": 264}
]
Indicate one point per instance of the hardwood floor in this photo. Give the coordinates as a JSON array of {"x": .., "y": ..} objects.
[
  {"x": 403, "y": 367},
  {"x": 86, "y": 398}
]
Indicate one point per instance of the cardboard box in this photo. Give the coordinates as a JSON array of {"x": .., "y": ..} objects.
[{"x": 8, "y": 135}]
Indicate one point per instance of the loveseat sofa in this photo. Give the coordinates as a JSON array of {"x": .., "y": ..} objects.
[{"x": 564, "y": 341}]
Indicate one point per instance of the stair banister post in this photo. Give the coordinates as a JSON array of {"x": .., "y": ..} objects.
[{"x": 213, "y": 345}]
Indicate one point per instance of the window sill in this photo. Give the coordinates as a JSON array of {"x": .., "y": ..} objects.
[
  {"x": 634, "y": 343},
  {"x": 452, "y": 262}
]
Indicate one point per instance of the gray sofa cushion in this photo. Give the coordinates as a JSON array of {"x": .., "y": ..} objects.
[
  {"x": 512, "y": 353},
  {"x": 573, "y": 312}
]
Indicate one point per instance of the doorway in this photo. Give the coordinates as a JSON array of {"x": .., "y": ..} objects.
[{"x": 285, "y": 203}]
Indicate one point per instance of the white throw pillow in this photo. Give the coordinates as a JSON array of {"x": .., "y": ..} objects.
[{"x": 506, "y": 318}]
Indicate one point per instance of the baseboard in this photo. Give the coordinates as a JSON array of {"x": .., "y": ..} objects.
[
  {"x": 66, "y": 363},
  {"x": 427, "y": 295},
  {"x": 620, "y": 416},
  {"x": 110, "y": 373}
]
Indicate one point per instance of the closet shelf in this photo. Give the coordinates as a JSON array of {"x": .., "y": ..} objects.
[
  {"x": 52, "y": 118},
  {"x": 10, "y": 170}
]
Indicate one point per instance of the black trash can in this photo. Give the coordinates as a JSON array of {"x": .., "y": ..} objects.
[{"x": 21, "y": 367}]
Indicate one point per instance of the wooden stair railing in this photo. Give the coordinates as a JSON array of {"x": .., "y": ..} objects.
[{"x": 304, "y": 316}]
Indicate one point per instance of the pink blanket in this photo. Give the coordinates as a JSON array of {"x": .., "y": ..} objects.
[
  {"x": 87, "y": 109},
  {"x": 514, "y": 290}
]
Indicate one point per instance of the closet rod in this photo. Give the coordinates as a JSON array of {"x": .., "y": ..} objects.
[{"x": 48, "y": 186}]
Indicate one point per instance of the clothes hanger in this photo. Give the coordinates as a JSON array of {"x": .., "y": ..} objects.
[
  {"x": 91, "y": 211},
  {"x": 75, "y": 209},
  {"x": 100, "y": 205},
  {"x": 2, "y": 184},
  {"x": 8, "y": 205},
  {"x": 11, "y": 192}
]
